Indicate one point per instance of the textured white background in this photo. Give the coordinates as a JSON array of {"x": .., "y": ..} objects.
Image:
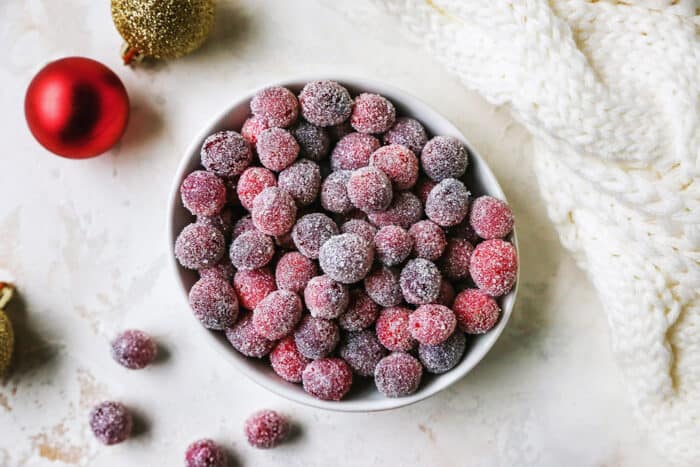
[{"x": 85, "y": 242}]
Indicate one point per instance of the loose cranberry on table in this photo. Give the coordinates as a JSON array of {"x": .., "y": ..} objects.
[
  {"x": 134, "y": 349},
  {"x": 205, "y": 453},
  {"x": 266, "y": 429},
  {"x": 111, "y": 422}
]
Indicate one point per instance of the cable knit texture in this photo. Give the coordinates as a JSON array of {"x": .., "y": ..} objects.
[{"x": 611, "y": 94}]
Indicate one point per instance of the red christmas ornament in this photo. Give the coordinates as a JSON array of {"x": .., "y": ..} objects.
[{"x": 76, "y": 107}]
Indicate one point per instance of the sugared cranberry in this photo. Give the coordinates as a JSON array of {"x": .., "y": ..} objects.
[
  {"x": 311, "y": 231},
  {"x": 392, "y": 329},
  {"x": 205, "y": 453},
  {"x": 277, "y": 149},
  {"x": 252, "y": 127},
  {"x": 353, "y": 151},
  {"x": 420, "y": 281},
  {"x": 455, "y": 261},
  {"x": 445, "y": 356},
  {"x": 316, "y": 337},
  {"x": 277, "y": 314},
  {"x": 423, "y": 187},
  {"x": 326, "y": 298},
  {"x": 334, "y": 192},
  {"x": 407, "y": 132},
  {"x": 266, "y": 429},
  {"x": 134, "y": 349},
  {"x": 252, "y": 250},
  {"x": 111, "y": 422},
  {"x": 226, "y": 153},
  {"x": 327, "y": 379},
  {"x": 274, "y": 211},
  {"x": 382, "y": 286},
  {"x": 286, "y": 360},
  {"x": 360, "y": 227},
  {"x": 294, "y": 271},
  {"x": 361, "y": 313},
  {"x": 398, "y": 375},
  {"x": 476, "y": 311},
  {"x": 214, "y": 303},
  {"x": 392, "y": 245},
  {"x": 252, "y": 286},
  {"x": 490, "y": 217},
  {"x": 346, "y": 258},
  {"x": 405, "y": 210},
  {"x": 253, "y": 181},
  {"x": 276, "y": 104},
  {"x": 325, "y": 103},
  {"x": 362, "y": 351},
  {"x": 244, "y": 338},
  {"x": 314, "y": 141},
  {"x": 199, "y": 246},
  {"x": 372, "y": 113},
  {"x": 447, "y": 203},
  {"x": 444, "y": 157},
  {"x": 302, "y": 180},
  {"x": 203, "y": 193},
  {"x": 398, "y": 163},
  {"x": 369, "y": 189},
  {"x": 223, "y": 221},
  {"x": 432, "y": 324},
  {"x": 429, "y": 240},
  {"x": 494, "y": 267}
]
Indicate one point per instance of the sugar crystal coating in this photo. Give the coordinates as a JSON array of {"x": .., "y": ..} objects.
[
  {"x": 252, "y": 286},
  {"x": 325, "y": 103},
  {"x": 398, "y": 375},
  {"x": 392, "y": 329},
  {"x": 445, "y": 356},
  {"x": 444, "y": 157},
  {"x": 252, "y": 250},
  {"x": 490, "y": 217},
  {"x": 455, "y": 261},
  {"x": 205, "y": 453},
  {"x": 362, "y": 351},
  {"x": 432, "y": 324},
  {"x": 326, "y": 298},
  {"x": 420, "y": 281},
  {"x": 244, "y": 338},
  {"x": 294, "y": 271},
  {"x": 405, "y": 210},
  {"x": 447, "y": 203},
  {"x": 316, "y": 337},
  {"x": 382, "y": 286},
  {"x": 369, "y": 189},
  {"x": 398, "y": 163},
  {"x": 494, "y": 267},
  {"x": 253, "y": 181},
  {"x": 360, "y": 227},
  {"x": 361, "y": 313},
  {"x": 353, "y": 151},
  {"x": 446, "y": 296},
  {"x": 277, "y": 148},
  {"x": 286, "y": 360},
  {"x": 334, "y": 192},
  {"x": 302, "y": 180},
  {"x": 111, "y": 422},
  {"x": 392, "y": 245},
  {"x": 199, "y": 246},
  {"x": 203, "y": 193},
  {"x": 252, "y": 127},
  {"x": 226, "y": 153},
  {"x": 429, "y": 240},
  {"x": 408, "y": 132},
  {"x": 311, "y": 231},
  {"x": 277, "y": 314},
  {"x": 222, "y": 270},
  {"x": 476, "y": 311},
  {"x": 274, "y": 211},
  {"x": 242, "y": 225},
  {"x": 423, "y": 188},
  {"x": 327, "y": 379},
  {"x": 266, "y": 429},
  {"x": 134, "y": 349},
  {"x": 214, "y": 303},
  {"x": 222, "y": 221},
  {"x": 346, "y": 258},
  {"x": 276, "y": 104},
  {"x": 372, "y": 113},
  {"x": 314, "y": 141}
]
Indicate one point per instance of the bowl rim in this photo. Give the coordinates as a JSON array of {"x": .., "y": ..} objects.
[{"x": 281, "y": 388}]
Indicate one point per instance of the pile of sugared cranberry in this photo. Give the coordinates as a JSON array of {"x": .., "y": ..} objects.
[{"x": 349, "y": 239}]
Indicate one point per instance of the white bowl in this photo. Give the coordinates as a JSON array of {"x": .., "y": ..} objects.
[{"x": 362, "y": 397}]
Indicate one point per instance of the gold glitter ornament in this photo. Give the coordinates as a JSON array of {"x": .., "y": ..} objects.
[
  {"x": 7, "y": 337},
  {"x": 162, "y": 29}
]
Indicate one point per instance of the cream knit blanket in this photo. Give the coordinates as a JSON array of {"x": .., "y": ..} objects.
[{"x": 611, "y": 92}]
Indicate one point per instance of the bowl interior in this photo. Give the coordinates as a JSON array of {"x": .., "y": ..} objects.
[{"x": 363, "y": 396}]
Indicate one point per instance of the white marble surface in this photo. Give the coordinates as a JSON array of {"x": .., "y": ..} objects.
[{"x": 85, "y": 242}]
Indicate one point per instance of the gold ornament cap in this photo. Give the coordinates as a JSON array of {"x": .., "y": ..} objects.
[
  {"x": 162, "y": 29},
  {"x": 7, "y": 337}
]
